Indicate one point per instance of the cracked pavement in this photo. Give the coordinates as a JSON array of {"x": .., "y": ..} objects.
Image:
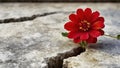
[
  {"x": 30, "y": 35},
  {"x": 9, "y": 20}
]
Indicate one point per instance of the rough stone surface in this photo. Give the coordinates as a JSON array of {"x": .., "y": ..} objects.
[
  {"x": 104, "y": 54},
  {"x": 35, "y": 43},
  {"x": 27, "y": 44},
  {"x": 93, "y": 58}
]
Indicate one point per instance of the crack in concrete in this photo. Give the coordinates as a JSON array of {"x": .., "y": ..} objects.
[
  {"x": 57, "y": 61},
  {"x": 52, "y": 62},
  {"x": 21, "y": 19}
]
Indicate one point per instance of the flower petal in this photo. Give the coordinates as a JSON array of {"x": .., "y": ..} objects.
[
  {"x": 88, "y": 13},
  {"x": 73, "y": 34},
  {"x": 100, "y": 19},
  {"x": 70, "y": 26},
  {"x": 73, "y": 18},
  {"x": 92, "y": 40},
  {"x": 95, "y": 33},
  {"x": 84, "y": 36},
  {"x": 102, "y": 32},
  {"x": 95, "y": 15},
  {"x": 98, "y": 25},
  {"x": 80, "y": 14},
  {"x": 77, "y": 40}
]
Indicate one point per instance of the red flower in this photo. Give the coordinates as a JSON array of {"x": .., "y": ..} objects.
[{"x": 85, "y": 25}]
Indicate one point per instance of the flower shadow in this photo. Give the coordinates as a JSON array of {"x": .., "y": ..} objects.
[{"x": 108, "y": 45}]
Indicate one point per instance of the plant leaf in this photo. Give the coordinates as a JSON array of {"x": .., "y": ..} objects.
[
  {"x": 118, "y": 37},
  {"x": 65, "y": 34}
]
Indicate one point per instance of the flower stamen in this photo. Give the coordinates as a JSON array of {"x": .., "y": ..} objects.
[{"x": 84, "y": 25}]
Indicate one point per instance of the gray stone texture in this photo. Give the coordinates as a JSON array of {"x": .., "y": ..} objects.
[{"x": 38, "y": 43}]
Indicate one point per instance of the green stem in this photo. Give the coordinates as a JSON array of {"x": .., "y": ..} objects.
[
  {"x": 83, "y": 44},
  {"x": 111, "y": 36}
]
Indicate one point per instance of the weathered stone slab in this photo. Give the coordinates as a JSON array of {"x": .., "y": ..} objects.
[
  {"x": 38, "y": 43},
  {"x": 30, "y": 44}
]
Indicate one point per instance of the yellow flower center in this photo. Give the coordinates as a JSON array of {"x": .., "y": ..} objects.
[{"x": 84, "y": 25}]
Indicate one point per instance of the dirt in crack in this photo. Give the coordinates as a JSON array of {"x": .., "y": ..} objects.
[
  {"x": 26, "y": 18},
  {"x": 57, "y": 61},
  {"x": 21, "y": 19}
]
